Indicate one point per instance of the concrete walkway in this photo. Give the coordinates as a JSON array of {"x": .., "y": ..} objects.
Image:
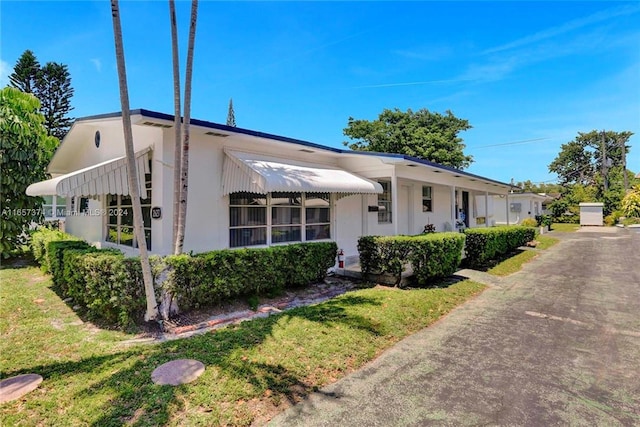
[{"x": 555, "y": 344}]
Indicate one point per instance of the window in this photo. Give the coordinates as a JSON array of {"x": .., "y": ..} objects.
[
  {"x": 317, "y": 216},
  {"x": 79, "y": 205},
  {"x": 427, "y": 200},
  {"x": 119, "y": 210},
  {"x": 248, "y": 219},
  {"x": 280, "y": 217},
  {"x": 384, "y": 203},
  {"x": 54, "y": 207}
]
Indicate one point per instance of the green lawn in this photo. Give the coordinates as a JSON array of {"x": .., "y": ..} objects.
[
  {"x": 514, "y": 263},
  {"x": 564, "y": 228},
  {"x": 253, "y": 370}
]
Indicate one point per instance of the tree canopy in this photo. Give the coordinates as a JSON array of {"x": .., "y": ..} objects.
[
  {"x": 579, "y": 167},
  {"x": 422, "y": 134},
  {"x": 51, "y": 84},
  {"x": 25, "y": 149}
]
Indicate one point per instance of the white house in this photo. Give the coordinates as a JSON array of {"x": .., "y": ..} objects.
[
  {"x": 251, "y": 189},
  {"x": 513, "y": 208}
]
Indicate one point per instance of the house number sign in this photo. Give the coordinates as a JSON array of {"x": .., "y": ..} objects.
[{"x": 156, "y": 212}]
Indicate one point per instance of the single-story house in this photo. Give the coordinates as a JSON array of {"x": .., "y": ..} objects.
[
  {"x": 252, "y": 189},
  {"x": 513, "y": 208}
]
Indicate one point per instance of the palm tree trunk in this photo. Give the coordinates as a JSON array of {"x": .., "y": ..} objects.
[
  {"x": 177, "y": 156},
  {"x": 132, "y": 175},
  {"x": 179, "y": 243}
]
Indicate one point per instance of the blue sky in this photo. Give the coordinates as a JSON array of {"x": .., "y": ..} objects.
[{"x": 527, "y": 75}]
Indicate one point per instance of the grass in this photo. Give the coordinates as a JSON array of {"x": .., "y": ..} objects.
[
  {"x": 564, "y": 228},
  {"x": 253, "y": 370},
  {"x": 514, "y": 263}
]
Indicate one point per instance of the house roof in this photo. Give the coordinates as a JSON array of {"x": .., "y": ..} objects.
[{"x": 392, "y": 157}]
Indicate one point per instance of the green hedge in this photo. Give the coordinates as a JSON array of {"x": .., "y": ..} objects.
[
  {"x": 484, "y": 244},
  {"x": 211, "y": 277},
  {"x": 430, "y": 255},
  {"x": 111, "y": 288},
  {"x": 39, "y": 241},
  {"x": 105, "y": 282}
]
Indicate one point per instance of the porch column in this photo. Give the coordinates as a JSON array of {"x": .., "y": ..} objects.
[
  {"x": 486, "y": 209},
  {"x": 365, "y": 214},
  {"x": 394, "y": 201},
  {"x": 453, "y": 206},
  {"x": 507, "y": 207}
]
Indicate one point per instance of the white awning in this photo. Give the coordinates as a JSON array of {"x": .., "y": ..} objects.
[
  {"x": 108, "y": 177},
  {"x": 245, "y": 172}
]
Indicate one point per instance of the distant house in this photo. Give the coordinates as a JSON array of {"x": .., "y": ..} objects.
[
  {"x": 513, "y": 208},
  {"x": 252, "y": 189}
]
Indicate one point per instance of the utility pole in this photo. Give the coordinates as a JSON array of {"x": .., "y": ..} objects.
[
  {"x": 604, "y": 161},
  {"x": 624, "y": 164}
]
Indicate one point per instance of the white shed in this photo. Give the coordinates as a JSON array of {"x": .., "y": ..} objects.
[{"x": 591, "y": 214}]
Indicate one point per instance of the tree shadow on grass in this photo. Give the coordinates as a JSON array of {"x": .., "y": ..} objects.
[{"x": 118, "y": 389}]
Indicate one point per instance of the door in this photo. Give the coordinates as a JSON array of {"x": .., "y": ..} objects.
[
  {"x": 465, "y": 207},
  {"x": 404, "y": 208}
]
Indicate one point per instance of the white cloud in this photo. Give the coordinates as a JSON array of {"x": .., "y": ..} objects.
[
  {"x": 97, "y": 63},
  {"x": 575, "y": 24}
]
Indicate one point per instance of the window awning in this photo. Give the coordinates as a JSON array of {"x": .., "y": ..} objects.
[
  {"x": 108, "y": 177},
  {"x": 245, "y": 172}
]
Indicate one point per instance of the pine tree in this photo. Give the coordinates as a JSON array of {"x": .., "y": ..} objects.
[
  {"x": 25, "y": 72},
  {"x": 231, "y": 115},
  {"x": 53, "y": 89}
]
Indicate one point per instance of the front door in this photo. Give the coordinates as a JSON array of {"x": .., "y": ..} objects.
[{"x": 465, "y": 207}]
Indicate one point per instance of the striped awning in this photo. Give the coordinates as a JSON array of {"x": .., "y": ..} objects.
[
  {"x": 246, "y": 172},
  {"x": 108, "y": 177}
]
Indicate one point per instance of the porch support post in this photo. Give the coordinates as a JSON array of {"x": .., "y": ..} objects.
[
  {"x": 507, "y": 208},
  {"x": 365, "y": 214},
  {"x": 453, "y": 206},
  {"x": 486, "y": 209},
  {"x": 394, "y": 201}
]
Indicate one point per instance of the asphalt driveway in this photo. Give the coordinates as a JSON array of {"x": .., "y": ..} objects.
[{"x": 556, "y": 344}]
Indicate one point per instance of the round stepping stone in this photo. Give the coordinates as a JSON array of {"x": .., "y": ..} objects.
[
  {"x": 177, "y": 372},
  {"x": 15, "y": 387}
]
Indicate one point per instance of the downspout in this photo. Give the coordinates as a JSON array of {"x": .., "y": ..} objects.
[
  {"x": 453, "y": 206},
  {"x": 507, "y": 208}
]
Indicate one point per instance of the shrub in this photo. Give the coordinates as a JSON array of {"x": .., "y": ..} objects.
[
  {"x": 529, "y": 222},
  {"x": 107, "y": 284},
  {"x": 430, "y": 255},
  {"x": 55, "y": 252},
  {"x": 484, "y": 244},
  {"x": 544, "y": 220},
  {"x": 39, "y": 241},
  {"x": 211, "y": 277}
]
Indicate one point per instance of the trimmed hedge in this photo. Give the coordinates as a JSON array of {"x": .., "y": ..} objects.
[
  {"x": 484, "y": 244},
  {"x": 39, "y": 241},
  {"x": 431, "y": 256},
  {"x": 111, "y": 288},
  {"x": 211, "y": 277}
]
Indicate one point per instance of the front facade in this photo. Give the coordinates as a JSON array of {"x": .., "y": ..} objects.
[
  {"x": 513, "y": 208},
  {"x": 250, "y": 189}
]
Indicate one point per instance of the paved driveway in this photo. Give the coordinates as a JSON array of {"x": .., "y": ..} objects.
[{"x": 556, "y": 344}]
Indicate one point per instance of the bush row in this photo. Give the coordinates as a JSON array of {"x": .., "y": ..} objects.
[
  {"x": 110, "y": 286},
  {"x": 431, "y": 256},
  {"x": 207, "y": 278},
  {"x": 484, "y": 244}
]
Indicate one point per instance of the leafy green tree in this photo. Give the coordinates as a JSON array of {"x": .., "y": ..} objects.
[
  {"x": 53, "y": 89},
  {"x": 25, "y": 72},
  {"x": 51, "y": 84},
  {"x": 25, "y": 150},
  {"x": 631, "y": 202},
  {"x": 422, "y": 134},
  {"x": 531, "y": 187}
]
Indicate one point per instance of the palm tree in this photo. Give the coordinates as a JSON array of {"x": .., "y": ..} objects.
[
  {"x": 132, "y": 175},
  {"x": 177, "y": 162},
  {"x": 184, "y": 168}
]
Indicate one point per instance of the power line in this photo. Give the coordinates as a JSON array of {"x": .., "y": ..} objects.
[{"x": 524, "y": 141}]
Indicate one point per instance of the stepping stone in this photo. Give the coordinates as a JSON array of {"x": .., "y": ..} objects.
[
  {"x": 15, "y": 387},
  {"x": 177, "y": 372}
]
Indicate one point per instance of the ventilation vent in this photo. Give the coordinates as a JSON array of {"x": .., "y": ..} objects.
[
  {"x": 156, "y": 125},
  {"x": 306, "y": 150},
  {"x": 221, "y": 135}
]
